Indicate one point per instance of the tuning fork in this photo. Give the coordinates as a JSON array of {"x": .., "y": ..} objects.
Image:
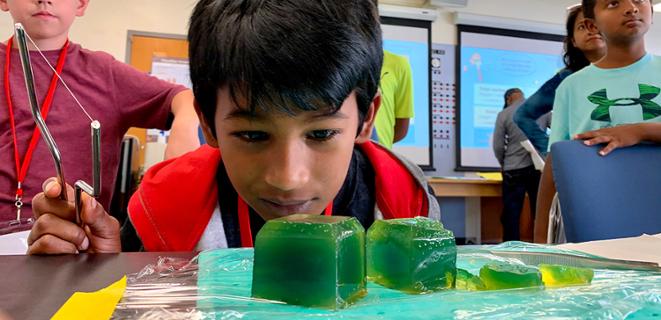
[{"x": 80, "y": 186}]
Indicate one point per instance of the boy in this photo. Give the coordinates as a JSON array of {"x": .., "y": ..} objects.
[
  {"x": 615, "y": 101},
  {"x": 113, "y": 93},
  {"x": 621, "y": 88},
  {"x": 286, "y": 93}
]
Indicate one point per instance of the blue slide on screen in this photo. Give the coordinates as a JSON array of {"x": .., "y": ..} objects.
[{"x": 489, "y": 65}]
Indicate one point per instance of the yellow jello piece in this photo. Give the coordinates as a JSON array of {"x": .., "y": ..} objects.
[
  {"x": 562, "y": 276},
  {"x": 469, "y": 282},
  {"x": 498, "y": 275}
]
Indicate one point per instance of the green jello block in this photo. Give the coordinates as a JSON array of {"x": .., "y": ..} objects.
[
  {"x": 561, "y": 276},
  {"x": 310, "y": 260},
  {"x": 498, "y": 275},
  {"x": 468, "y": 281},
  {"x": 415, "y": 255}
]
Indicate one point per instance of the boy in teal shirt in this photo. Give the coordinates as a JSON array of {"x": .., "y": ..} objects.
[
  {"x": 622, "y": 88},
  {"x": 614, "y": 101}
]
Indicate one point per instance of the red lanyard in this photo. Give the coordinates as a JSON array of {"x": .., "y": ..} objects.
[
  {"x": 22, "y": 170},
  {"x": 244, "y": 222}
]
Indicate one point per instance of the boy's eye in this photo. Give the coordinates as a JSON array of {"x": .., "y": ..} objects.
[
  {"x": 251, "y": 136},
  {"x": 613, "y": 4},
  {"x": 322, "y": 135}
]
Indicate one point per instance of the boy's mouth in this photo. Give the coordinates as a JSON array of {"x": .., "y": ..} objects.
[
  {"x": 287, "y": 207},
  {"x": 632, "y": 22},
  {"x": 44, "y": 14}
]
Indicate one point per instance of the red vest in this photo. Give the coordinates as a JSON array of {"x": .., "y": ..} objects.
[{"x": 176, "y": 198}]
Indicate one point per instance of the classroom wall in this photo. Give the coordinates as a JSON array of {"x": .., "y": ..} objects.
[{"x": 106, "y": 22}]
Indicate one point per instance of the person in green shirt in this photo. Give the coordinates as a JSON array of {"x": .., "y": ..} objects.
[{"x": 396, "y": 111}]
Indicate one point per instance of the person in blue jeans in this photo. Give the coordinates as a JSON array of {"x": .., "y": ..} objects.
[{"x": 582, "y": 46}]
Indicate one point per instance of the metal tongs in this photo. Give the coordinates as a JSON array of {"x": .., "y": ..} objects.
[{"x": 80, "y": 186}]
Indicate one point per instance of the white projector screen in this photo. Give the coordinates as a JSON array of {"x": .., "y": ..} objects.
[{"x": 490, "y": 61}]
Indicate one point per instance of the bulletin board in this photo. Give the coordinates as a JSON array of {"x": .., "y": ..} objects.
[{"x": 141, "y": 48}]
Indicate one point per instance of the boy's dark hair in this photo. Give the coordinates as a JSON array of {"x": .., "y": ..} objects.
[
  {"x": 285, "y": 55},
  {"x": 574, "y": 58}
]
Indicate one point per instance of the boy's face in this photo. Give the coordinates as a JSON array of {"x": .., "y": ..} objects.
[
  {"x": 283, "y": 164},
  {"x": 45, "y": 19},
  {"x": 623, "y": 20}
]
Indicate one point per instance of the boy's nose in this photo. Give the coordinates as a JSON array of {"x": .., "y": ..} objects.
[
  {"x": 45, "y": 2},
  {"x": 287, "y": 169},
  {"x": 631, "y": 7}
]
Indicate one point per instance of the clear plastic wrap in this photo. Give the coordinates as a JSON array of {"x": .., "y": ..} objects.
[{"x": 216, "y": 285}]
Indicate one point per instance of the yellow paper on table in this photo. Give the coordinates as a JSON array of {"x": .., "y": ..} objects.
[
  {"x": 93, "y": 305},
  {"x": 497, "y": 176}
]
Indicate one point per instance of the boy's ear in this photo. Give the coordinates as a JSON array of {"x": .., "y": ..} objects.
[
  {"x": 80, "y": 9},
  {"x": 368, "y": 123},
  {"x": 206, "y": 129}
]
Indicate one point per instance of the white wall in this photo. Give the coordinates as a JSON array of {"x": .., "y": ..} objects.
[
  {"x": 106, "y": 22},
  {"x": 547, "y": 11},
  {"x": 654, "y": 36}
]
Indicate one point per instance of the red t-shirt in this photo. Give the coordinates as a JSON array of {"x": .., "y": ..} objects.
[{"x": 114, "y": 93}]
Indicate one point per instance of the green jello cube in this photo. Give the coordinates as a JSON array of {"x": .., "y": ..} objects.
[
  {"x": 415, "y": 255},
  {"x": 468, "y": 281},
  {"x": 310, "y": 260},
  {"x": 561, "y": 276},
  {"x": 498, "y": 275}
]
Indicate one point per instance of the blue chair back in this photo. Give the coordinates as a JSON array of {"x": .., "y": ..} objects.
[{"x": 615, "y": 196}]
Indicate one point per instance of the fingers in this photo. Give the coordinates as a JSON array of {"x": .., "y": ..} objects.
[
  {"x": 586, "y": 135},
  {"x": 102, "y": 228},
  {"x": 96, "y": 218},
  {"x": 49, "y": 244},
  {"x": 51, "y": 225},
  {"x": 55, "y": 230},
  {"x": 49, "y": 202},
  {"x": 53, "y": 235},
  {"x": 42, "y": 205},
  {"x": 612, "y": 145},
  {"x": 598, "y": 140},
  {"x": 52, "y": 188}
]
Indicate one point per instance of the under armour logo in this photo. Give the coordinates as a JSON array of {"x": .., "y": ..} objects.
[{"x": 651, "y": 109}]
